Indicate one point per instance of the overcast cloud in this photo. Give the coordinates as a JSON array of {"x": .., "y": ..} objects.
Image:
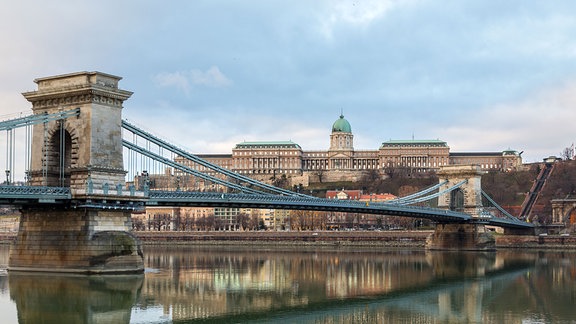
[{"x": 480, "y": 75}]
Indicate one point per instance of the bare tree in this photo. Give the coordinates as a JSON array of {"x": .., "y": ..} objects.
[
  {"x": 254, "y": 222},
  {"x": 320, "y": 174},
  {"x": 280, "y": 182},
  {"x": 297, "y": 219},
  {"x": 159, "y": 222},
  {"x": 138, "y": 224},
  {"x": 201, "y": 223},
  {"x": 242, "y": 220},
  {"x": 568, "y": 153},
  {"x": 210, "y": 222},
  {"x": 371, "y": 181},
  {"x": 350, "y": 220}
]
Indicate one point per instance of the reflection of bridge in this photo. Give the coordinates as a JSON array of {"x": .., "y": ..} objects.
[{"x": 76, "y": 205}]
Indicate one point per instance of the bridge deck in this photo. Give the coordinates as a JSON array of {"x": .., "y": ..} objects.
[{"x": 28, "y": 195}]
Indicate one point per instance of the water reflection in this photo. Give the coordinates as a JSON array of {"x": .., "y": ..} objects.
[
  {"x": 310, "y": 286},
  {"x": 324, "y": 285},
  {"x": 49, "y": 298}
]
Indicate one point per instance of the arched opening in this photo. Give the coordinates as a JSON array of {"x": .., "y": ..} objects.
[
  {"x": 571, "y": 217},
  {"x": 457, "y": 200},
  {"x": 59, "y": 158}
]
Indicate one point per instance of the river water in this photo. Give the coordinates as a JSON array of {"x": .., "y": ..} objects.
[{"x": 304, "y": 285}]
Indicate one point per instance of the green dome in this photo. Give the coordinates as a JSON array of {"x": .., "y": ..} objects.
[{"x": 341, "y": 125}]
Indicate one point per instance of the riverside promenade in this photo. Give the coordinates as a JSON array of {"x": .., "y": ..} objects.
[
  {"x": 333, "y": 238},
  {"x": 393, "y": 239}
]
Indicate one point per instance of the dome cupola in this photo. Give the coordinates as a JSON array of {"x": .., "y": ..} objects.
[{"x": 341, "y": 125}]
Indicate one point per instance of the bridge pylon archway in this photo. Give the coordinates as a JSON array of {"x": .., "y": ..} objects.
[
  {"x": 564, "y": 211},
  {"x": 467, "y": 199}
]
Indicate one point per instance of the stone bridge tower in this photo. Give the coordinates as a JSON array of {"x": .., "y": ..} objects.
[
  {"x": 466, "y": 199},
  {"x": 90, "y": 233},
  {"x": 72, "y": 151}
]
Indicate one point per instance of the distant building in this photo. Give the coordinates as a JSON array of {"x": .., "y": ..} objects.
[
  {"x": 377, "y": 197},
  {"x": 269, "y": 160},
  {"x": 358, "y": 195},
  {"x": 416, "y": 155},
  {"x": 208, "y": 218},
  {"x": 344, "y": 194},
  {"x": 489, "y": 161}
]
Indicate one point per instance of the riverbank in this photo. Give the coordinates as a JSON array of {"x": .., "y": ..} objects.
[
  {"x": 548, "y": 242},
  {"x": 407, "y": 239},
  {"x": 397, "y": 239},
  {"x": 356, "y": 238}
]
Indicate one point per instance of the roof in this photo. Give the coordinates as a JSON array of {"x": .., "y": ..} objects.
[
  {"x": 341, "y": 125},
  {"x": 268, "y": 144},
  {"x": 415, "y": 143},
  {"x": 214, "y": 156},
  {"x": 458, "y": 154},
  {"x": 377, "y": 197}
]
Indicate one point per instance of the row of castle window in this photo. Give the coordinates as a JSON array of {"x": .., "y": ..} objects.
[
  {"x": 250, "y": 153},
  {"x": 357, "y": 164}
]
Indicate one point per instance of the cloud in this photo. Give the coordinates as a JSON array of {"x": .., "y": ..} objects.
[
  {"x": 359, "y": 13},
  {"x": 185, "y": 80},
  {"x": 541, "y": 124},
  {"x": 211, "y": 78}
]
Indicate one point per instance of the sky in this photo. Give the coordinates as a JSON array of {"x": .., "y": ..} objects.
[{"x": 480, "y": 75}]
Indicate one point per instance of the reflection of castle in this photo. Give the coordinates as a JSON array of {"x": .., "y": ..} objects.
[
  {"x": 215, "y": 283},
  {"x": 267, "y": 159}
]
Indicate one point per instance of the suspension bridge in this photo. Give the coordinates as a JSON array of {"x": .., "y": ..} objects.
[{"x": 76, "y": 201}]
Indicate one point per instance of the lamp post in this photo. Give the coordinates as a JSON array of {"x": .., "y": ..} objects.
[{"x": 8, "y": 177}]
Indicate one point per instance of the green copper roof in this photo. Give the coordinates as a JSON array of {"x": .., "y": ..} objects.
[
  {"x": 406, "y": 143},
  {"x": 341, "y": 125},
  {"x": 268, "y": 144}
]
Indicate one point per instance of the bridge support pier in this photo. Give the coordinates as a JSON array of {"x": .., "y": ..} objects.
[
  {"x": 76, "y": 240},
  {"x": 461, "y": 237}
]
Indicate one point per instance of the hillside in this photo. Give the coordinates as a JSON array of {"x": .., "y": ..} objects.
[
  {"x": 561, "y": 183},
  {"x": 508, "y": 189},
  {"x": 372, "y": 182}
]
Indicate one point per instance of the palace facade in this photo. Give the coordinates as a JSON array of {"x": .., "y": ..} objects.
[{"x": 266, "y": 160}]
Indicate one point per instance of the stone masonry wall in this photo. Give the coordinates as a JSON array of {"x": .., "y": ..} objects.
[{"x": 80, "y": 240}]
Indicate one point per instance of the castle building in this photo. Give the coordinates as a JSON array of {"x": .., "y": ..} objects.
[
  {"x": 417, "y": 155},
  {"x": 266, "y": 160}
]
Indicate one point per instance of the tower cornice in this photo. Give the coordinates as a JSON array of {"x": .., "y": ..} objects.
[
  {"x": 77, "y": 88},
  {"x": 77, "y": 95}
]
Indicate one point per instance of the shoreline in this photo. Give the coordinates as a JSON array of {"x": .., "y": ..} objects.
[
  {"x": 392, "y": 239},
  {"x": 408, "y": 239}
]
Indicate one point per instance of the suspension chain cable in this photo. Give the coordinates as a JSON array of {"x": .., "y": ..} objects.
[
  {"x": 9, "y": 152},
  {"x": 28, "y": 153},
  {"x": 62, "y": 153}
]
